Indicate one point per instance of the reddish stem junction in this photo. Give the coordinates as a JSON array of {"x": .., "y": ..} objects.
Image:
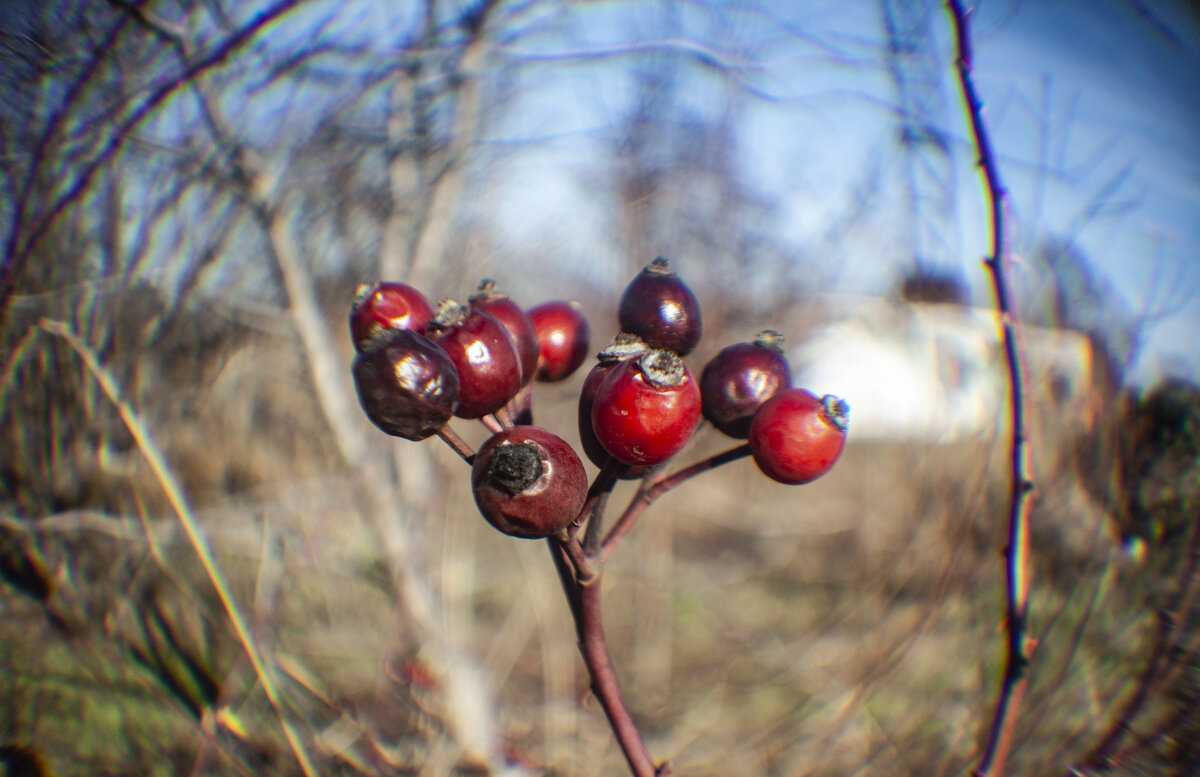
[{"x": 580, "y": 565}]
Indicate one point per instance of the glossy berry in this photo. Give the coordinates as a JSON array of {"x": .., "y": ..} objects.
[
  {"x": 528, "y": 482},
  {"x": 515, "y": 320},
  {"x": 624, "y": 346},
  {"x": 484, "y": 354},
  {"x": 660, "y": 308},
  {"x": 563, "y": 339},
  {"x": 646, "y": 409},
  {"x": 384, "y": 306},
  {"x": 406, "y": 384},
  {"x": 739, "y": 379},
  {"x": 796, "y": 438}
]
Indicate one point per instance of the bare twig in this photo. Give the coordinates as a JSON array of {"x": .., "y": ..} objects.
[
  {"x": 17, "y": 253},
  {"x": 456, "y": 443},
  {"x": 646, "y": 496},
  {"x": 602, "y": 486},
  {"x": 1014, "y": 680},
  {"x": 1173, "y": 614},
  {"x": 585, "y": 572}
]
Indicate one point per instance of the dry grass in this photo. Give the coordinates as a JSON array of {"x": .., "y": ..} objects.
[{"x": 850, "y": 627}]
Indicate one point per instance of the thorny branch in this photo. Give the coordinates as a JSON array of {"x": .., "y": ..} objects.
[{"x": 1017, "y": 645}]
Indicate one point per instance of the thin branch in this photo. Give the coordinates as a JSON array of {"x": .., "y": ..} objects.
[
  {"x": 585, "y": 572},
  {"x": 457, "y": 444},
  {"x": 598, "y": 495},
  {"x": 53, "y": 123},
  {"x": 646, "y": 495},
  {"x": 604, "y": 684},
  {"x": 1014, "y": 680},
  {"x": 17, "y": 255}
]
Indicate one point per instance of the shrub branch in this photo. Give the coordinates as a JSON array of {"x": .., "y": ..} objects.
[{"x": 1014, "y": 680}]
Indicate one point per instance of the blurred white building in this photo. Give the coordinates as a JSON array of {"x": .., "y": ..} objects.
[{"x": 937, "y": 371}]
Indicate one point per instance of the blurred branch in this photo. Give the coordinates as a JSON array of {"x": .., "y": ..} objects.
[
  {"x": 1172, "y": 618},
  {"x": 1017, "y": 646},
  {"x": 437, "y": 170},
  {"x": 705, "y": 55},
  {"x": 18, "y": 252},
  {"x": 14, "y": 256},
  {"x": 648, "y": 494},
  {"x": 174, "y": 494}
]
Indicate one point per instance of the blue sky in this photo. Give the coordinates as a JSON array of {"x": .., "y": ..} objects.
[{"x": 1108, "y": 101}]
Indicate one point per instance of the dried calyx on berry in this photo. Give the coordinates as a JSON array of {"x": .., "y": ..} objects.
[
  {"x": 660, "y": 308},
  {"x": 528, "y": 482},
  {"x": 624, "y": 346},
  {"x": 646, "y": 408},
  {"x": 515, "y": 320},
  {"x": 407, "y": 385},
  {"x": 484, "y": 354},
  {"x": 515, "y": 467}
]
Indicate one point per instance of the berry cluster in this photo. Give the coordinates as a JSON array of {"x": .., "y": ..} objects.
[{"x": 418, "y": 366}]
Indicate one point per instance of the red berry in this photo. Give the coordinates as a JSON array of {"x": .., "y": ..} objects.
[
  {"x": 646, "y": 409},
  {"x": 624, "y": 346},
  {"x": 406, "y": 384},
  {"x": 515, "y": 320},
  {"x": 383, "y": 306},
  {"x": 563, "y": 336},
  {"x": 660, "y": 308},
  {"x": 528, "y": 482},
  {"x": 484, "y": 354},
  {"x": 740, "y": 378},
  {"x": 796, "y": 438}
]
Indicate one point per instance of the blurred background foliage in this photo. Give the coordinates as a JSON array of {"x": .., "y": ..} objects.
[{"x": 196, "y": 189}]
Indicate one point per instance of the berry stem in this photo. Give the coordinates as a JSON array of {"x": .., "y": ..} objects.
[
  {"x": 648, "y": 494},
  {"x": 520, "y": 407},
  {"x": 584, "y": 572},
  {"x": 492, "y": 423},
  {"x": 598, "y": 495},
  {"x": 456, "y": 443},
  {"x": 504, "y": 418},
  {"x": 589, "y": 626}
]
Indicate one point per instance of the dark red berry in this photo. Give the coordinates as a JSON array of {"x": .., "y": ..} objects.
[
  {"x": 515, "y": 320},
  {"x": 660, "y": 308},
  {"x": 528, "y": 482},
  {"x": 484, "y": 354},
  {"x": 383, "y": 306},
  {"x": 406, "y": 384},
  {"x": 563, "y": 339},
  {"x": 646, "y": 409},
  {"x": 740, "y": 378},
  {"x": 624, "y": 346},
  {"x": 796, "y": 438}
]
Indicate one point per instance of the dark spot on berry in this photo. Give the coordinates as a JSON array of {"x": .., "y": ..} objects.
[{"x": 516, "y": 467}]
